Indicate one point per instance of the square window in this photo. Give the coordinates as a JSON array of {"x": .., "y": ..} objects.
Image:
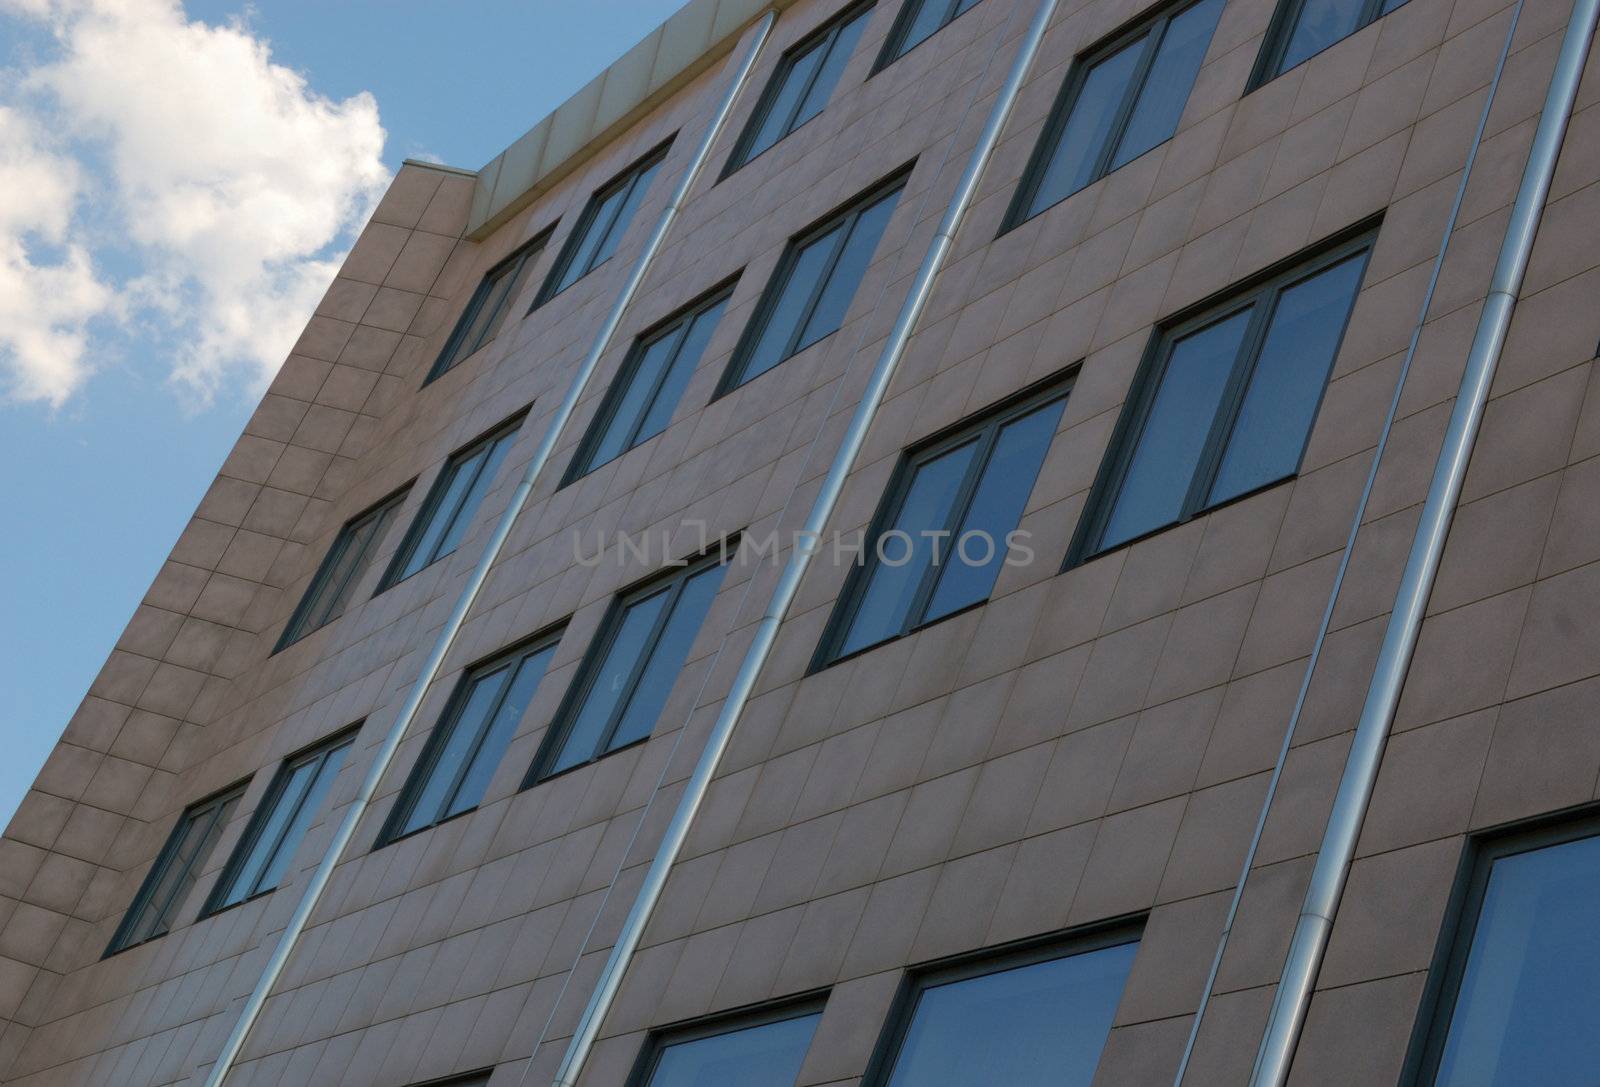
[
  {"x": 629, "y": 671},
  {"x": 802, "y": 85},
  {"x": 465, "y": 748},
  {"x": 1031, "y": 1018},
  {"x": 174, "y": 873},
  {"x": 813, "y": 285},
  {"x": 1300, "y": 29},
  {"x": 292, "y": 803},
  {"x": 602, "y": 225},
  {"x": 487, "y": 308},
  {"x": 641, "y": 400},
  {"x": 944, "y": 528},
  {"x": 918, "y": 21},
  {"x": 346, "y": 563},
  {"x": 454, "y": 498},
  {"x": 1225, "y": 401},
  {"x": 763, "y": 1049},
  {"x": 1514, "y": 999},
  {"x": 1122, "y": 99}
]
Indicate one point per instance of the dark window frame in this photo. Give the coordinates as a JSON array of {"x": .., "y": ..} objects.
[
  {"x": 577, "y": 693},
  {"x": 844, "y": 217},
  {"x": 1260, "y": 290},
  {"x": 513, "y": 264},
  {"x": 343, "y": 739},
  {"x": 443, "y": 729},
  {"x": 1285, "y": 17},
  {"x": 909, "y": 10},
  {"x": 1462, "y": 914},
  {"x": 480, "y": 1078},
  {"x": 983, "y": 427},
  {"x": 386, "y": 507},
  {"x": 579, "y": 467},
  {"x": 826, "y": 37},
  {"x": 218, "y": 803},
  {"x": 1112, "y": 932},
  {"x": 659, "y": 1039},
  {"x": 430, "y": 503},
  {"x": 1153, "y": 26},
  {"x": 625, "y": 178}
]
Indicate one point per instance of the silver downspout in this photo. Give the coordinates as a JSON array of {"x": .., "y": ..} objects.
[
  {"x": 755, "y": 658},
  {"x": 1344, "y": 556},
  {"x": 1310, "y": 940},
  {"x": 273, "y": 969}
]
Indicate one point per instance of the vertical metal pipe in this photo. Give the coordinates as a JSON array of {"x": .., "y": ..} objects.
[
  {"x": 318, "y": 883},
  {"x": 1349, "y": 549},
  {"x": 755, "y": 658},
  {"x": 1338, "y": 847}
]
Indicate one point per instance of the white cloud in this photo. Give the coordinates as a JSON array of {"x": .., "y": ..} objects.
[{"x": 218, "y": 182}]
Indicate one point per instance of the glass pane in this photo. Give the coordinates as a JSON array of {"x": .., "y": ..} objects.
[
  {"x": 1042, "y": 1025},
  {"x": 973, "y": 559},
  {"x": 1287, "y": 382},
  {"x": 929, "y": 17},
  {"x": 619, "y": 226},
  {"x": 515, "y": 277},
  {"x": 326, "y": 770},
  {"x": 1175, "y": 430},
  {"x": 493, "y": 745},
  {"x": 652, "y": 360},
  {"x": 594, "y": 234},
  {"x": 610, "y": 682},
  {"x": 474, "y": 498},
  {"x": 894, "y": 579},
  {"x": 666, "y": 658},
  {"x": 848, "y": 272},
  {"x": 844, "y": 44},
  {"x": 1088, "y": 126},
  {"x": 483, "y": 320},
  {"x": 197, "y": 834},
  {"x": 1319, "y": 24},
  {"x": 776, "y": 124},
  {"x": 772, "y": 347},
  {"x": 462, "y": 733},
  {"x": 441, "y": 514},
  {"x": 1527, "y": 1011},
  {"x": 1166, "y": 89},
  {"x": 769, "y": 1055},
  {"x": 249, "y": 876},
  {"x": 683, "y": 367}
]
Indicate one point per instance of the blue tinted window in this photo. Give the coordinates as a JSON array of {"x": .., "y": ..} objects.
[
  {"x": 487, "y": 308},
  {"x": 448, "y": 510},
  {"x": 1303, "y": 28},
  {"x": 766, "y": 1055},
  {"x": 347, "y": 561},
  {"x": 176, "y": 869},
  {"x": 918, "y": 21},
  {"x": 601, "y": 227}
]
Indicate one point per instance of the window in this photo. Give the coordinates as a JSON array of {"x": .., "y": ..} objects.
[
  {"x": 813, "y": 286},
  {"x": 448, "y": 509},
  {"x": 941, "y": 534},
  {"x": 918, "y": 21},
  {"x": 465, "y": 748},
  {"x": 342, "y": 569},
  {"x": 177, "y": 867},
  {"x": 765, "y": 1050},
  {"x": 471, "y": 1079},
  {"x": 292, "y": 802},
  {"x": 1122, "y": 100},
  {"x": 602, "y": 225},
  {"x": 1301, "y": 29},
  {"x": 801, "y": 86},
  {"x": 1036, "y": 1018},
  {"x": 486, "y": 310},
  {"x": 640, "y": 402},
  {"x": 623, "y": 684},
  {"x": 1516, "y": 999},
  {"x": 1225, "y": 402}
]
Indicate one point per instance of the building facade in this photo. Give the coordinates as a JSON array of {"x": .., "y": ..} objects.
[{"x": 1029, "y": 778}]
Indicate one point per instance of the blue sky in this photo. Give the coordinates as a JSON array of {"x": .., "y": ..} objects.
[{"x": 129, "y": 361}]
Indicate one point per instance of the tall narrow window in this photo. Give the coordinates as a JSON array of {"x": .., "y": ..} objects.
[
  {"x": 173, "y": 875},
  {"x": 943, "y": 530},
  {"x": 450, "y": 504},
  {"x": 629, "y": 671},
  {"x": 802, "y": 84},
  {"x": 918, "y": 21},
  {"x": 1517, "y": 1001},
  {"x": 487, "y": 308},
  {"x": 1120, "y": 101},
  {"x": 342, "y": 569},
  {"x": 813, "y": 286},
  {"x": 602, "y": 225},
  {"x": 1301, "y": 29},
  {"x": 292, "y": 803},
  {"x": 465, "y": 748},
  {"x": 1032, "y": 1019},
  {"x": 1226, "y": 401},
  {"x": 640, "y": 402},
  {"x": 761, "y": 1050}
]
